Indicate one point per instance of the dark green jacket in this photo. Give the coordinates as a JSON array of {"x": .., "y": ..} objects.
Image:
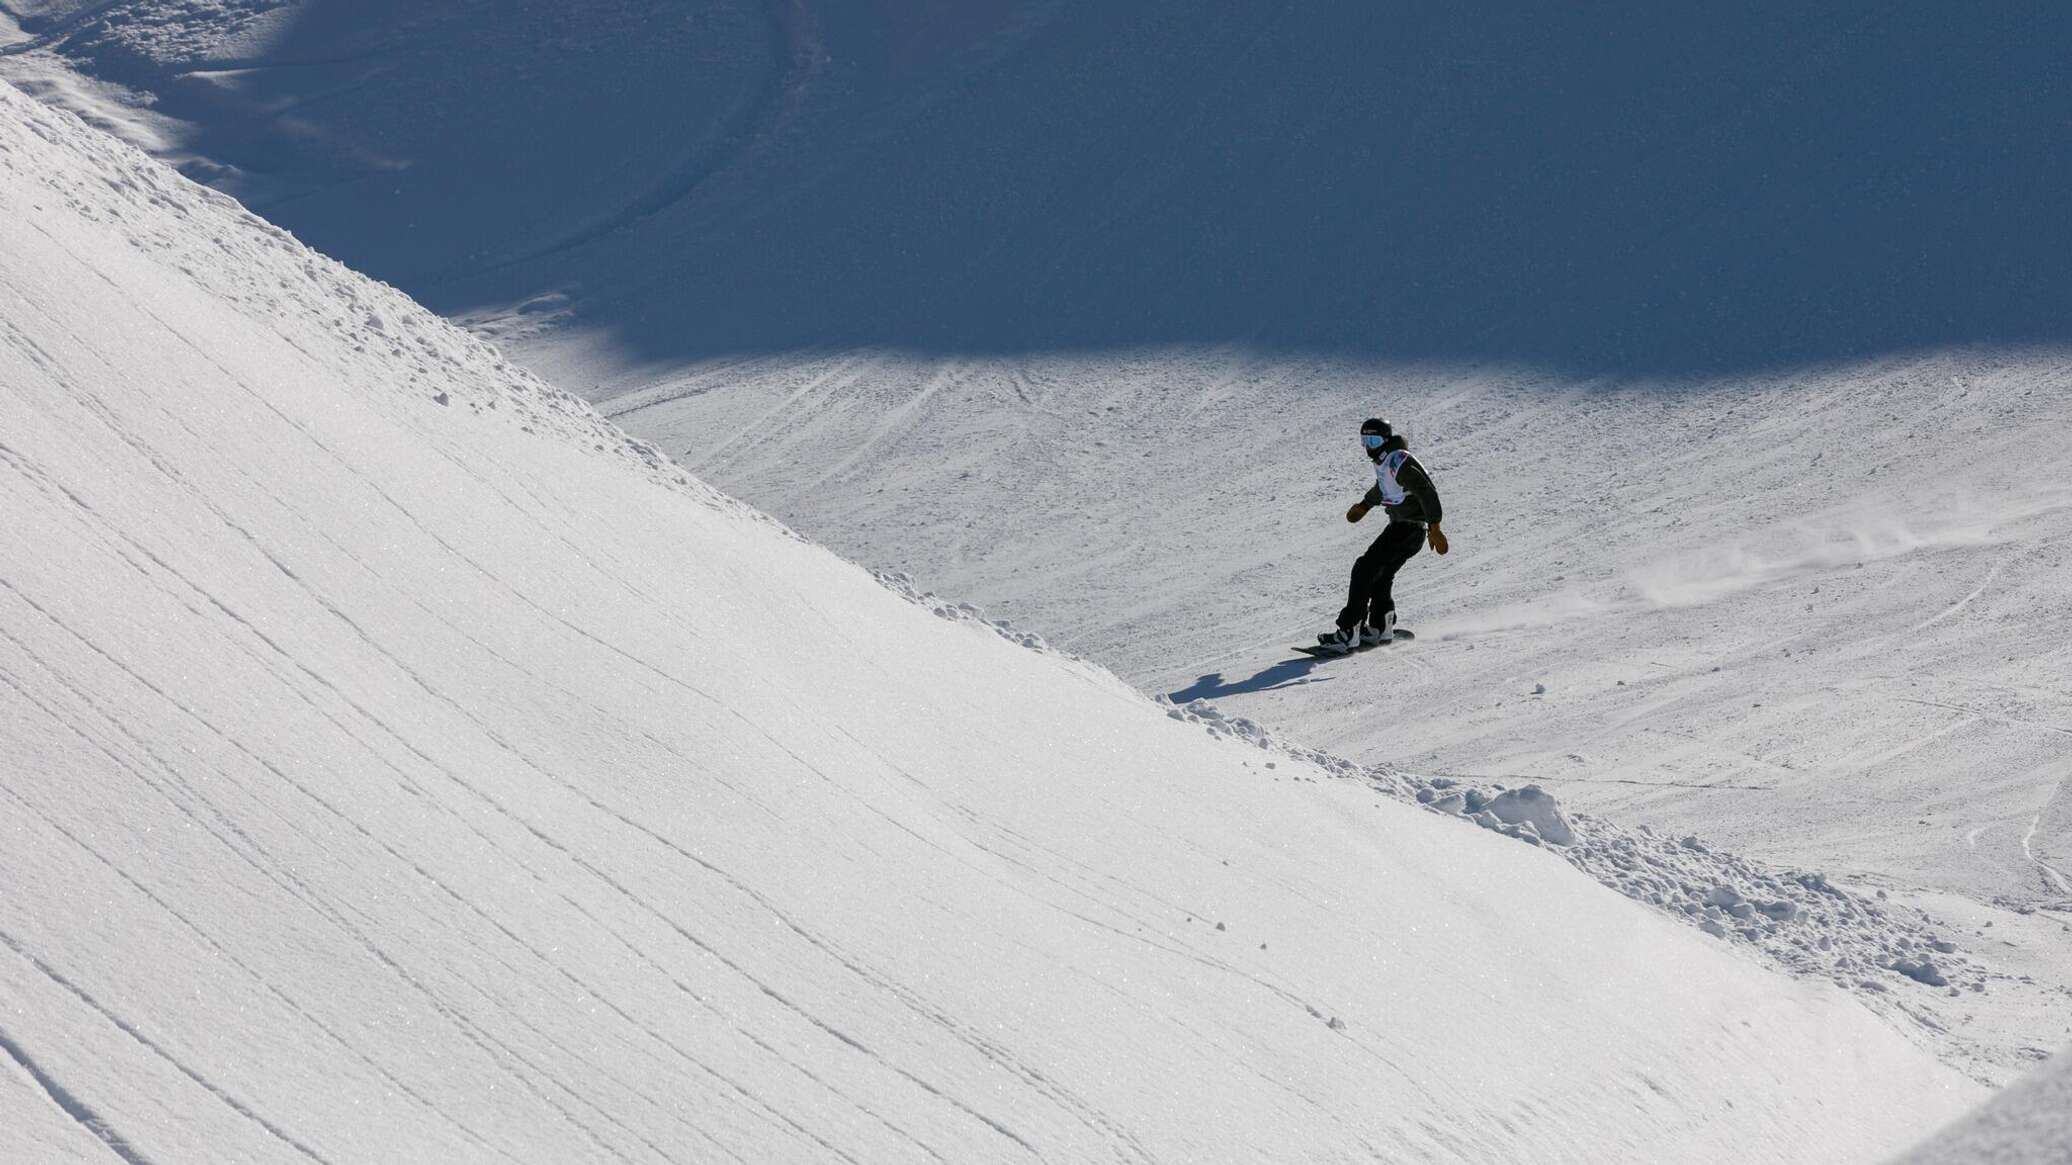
[{"x": 1417, "y": 499}]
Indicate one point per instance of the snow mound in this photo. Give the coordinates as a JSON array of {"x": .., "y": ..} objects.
[
  {"x": 2028, "y": 1123},
  {"x": 1533, "y": 808},
  {"x": 401, "y": 763},
  {"x": 1797, "y": 920}
]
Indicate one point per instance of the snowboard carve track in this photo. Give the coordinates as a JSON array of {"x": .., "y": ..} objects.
[
  {"x": 2053, "y": 878},
  {"x": 501, "y": 1052},
  {"x": 126, "y": 1028},
  {"x": 202, "y": 935},
  {"x": 77, "y": 1110},
  {"x": 796, "y": 35},
  {"x": 271, "y": 868}
]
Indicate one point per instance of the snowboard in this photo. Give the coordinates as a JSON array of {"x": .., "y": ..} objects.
[{"x": 1322, "y": 652}]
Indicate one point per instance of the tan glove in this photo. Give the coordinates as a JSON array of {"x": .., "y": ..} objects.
[
  {"x": 1358, "y": 511},
  {"x": 1437, "y": 540}
]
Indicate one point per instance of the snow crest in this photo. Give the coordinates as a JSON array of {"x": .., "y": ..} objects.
[{"x": 1797, "y": 920}]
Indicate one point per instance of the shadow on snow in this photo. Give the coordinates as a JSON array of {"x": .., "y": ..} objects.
[
  {"x": 1636, "y": 188},
  {"x": 1286, "y": 674}
]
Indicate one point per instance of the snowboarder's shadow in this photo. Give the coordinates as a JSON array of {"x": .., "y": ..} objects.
[{"x": 1285, "y": 674}]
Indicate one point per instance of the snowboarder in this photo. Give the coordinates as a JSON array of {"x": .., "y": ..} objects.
[{"x": 1406, "y": 493}]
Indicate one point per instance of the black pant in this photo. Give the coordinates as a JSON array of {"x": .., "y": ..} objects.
[{"x": 1374, "y": 574}]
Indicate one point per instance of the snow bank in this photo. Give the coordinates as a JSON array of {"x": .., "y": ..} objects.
[{"x": 400, "y": 763}]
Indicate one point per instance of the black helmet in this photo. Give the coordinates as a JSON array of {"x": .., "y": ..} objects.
[{"x": 1374, "y": 436}]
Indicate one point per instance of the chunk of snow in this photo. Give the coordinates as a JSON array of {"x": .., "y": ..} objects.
[{"x": 1537, "y": 807}]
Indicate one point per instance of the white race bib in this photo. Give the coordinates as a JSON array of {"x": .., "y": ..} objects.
[{"x": 1392, "y": 492}]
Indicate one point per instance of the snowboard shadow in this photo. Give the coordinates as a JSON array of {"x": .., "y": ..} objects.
[{"x": 1286, "y": 674}]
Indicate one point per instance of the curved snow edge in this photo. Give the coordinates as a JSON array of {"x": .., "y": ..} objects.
[
  {"x": 2027, "y": 1123},
  {"x": 1798, "y": 921}
]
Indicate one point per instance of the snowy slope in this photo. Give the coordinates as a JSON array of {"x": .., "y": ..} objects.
[
  {"x": 1696, "y": 300},
  {"x": 1737, "y": 339},
  {"x": 1869, "y": 557},
  {"x": 856, "y": 277},
  {"x": 2030, "y": 1123},
  {"x": 401, "y": 763},
  {"x": 1818, "y": 618}
]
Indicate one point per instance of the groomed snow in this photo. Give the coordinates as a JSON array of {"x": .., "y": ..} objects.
[{"x": 402, "y": 763}]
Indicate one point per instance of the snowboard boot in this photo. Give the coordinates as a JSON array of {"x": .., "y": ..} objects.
[
  {"x": 1340, "y": 641},
  {"x": 1385, "y": 633}
]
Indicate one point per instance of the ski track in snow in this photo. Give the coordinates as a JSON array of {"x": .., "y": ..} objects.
[
  {"x": 81, "y": 1114},
  {"x": 129, "y": 1029},
  {"x": 784, "y": 92},
  {"x": 2051, "y": 874},
  {"x": 2054, "y": 878},
  {"x": 1992, "y": 572}
]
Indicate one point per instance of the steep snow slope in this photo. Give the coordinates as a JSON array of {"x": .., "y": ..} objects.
[{"x": 402, "y": 763}]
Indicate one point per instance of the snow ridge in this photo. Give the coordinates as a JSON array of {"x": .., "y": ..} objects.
[{"x": 1795, "y": 920}]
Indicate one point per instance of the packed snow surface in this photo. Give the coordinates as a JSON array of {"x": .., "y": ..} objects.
[
  {"x": 402, "y": 763},
  {"x": 1818, "y": 619}
]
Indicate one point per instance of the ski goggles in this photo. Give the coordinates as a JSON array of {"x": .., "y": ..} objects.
[{"x": 1372, "y": 440}]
